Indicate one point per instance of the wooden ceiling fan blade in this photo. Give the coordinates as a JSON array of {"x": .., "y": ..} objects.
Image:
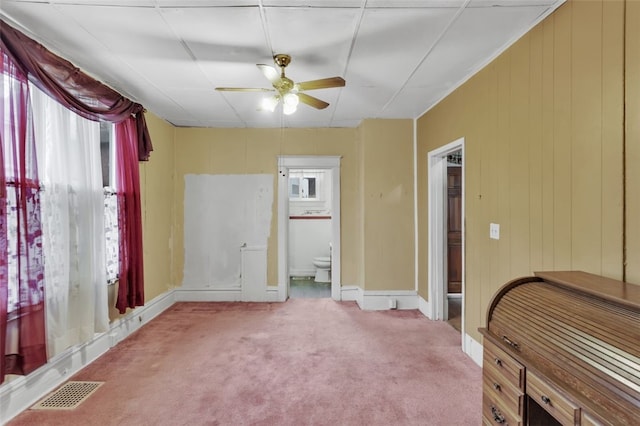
[
  {"x": 269, "y": 72},
  {"x": 243, "y": 89},
  {"x": 311, "y": 101},
  {"x": 324, "y": 83}
]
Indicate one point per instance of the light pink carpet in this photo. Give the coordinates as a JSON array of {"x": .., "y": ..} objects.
[{"x": 303, "y": 362}]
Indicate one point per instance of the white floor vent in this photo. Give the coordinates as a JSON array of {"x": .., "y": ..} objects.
[{"x": 68, "y": 396}]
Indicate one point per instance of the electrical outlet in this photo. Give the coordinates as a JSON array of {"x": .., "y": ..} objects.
[{"x": 494, "y": 231}]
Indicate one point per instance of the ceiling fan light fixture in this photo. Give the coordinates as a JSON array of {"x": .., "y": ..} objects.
[
  {"x": 270, "y": 103},
  {"x": 288, "y": 109},
  {"x": 291, "y": 99},
  {"x": 286, "y": 90}
]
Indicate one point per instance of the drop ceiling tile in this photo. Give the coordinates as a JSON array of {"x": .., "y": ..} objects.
[
  {"x": 204, "y": 104},
  {"x": 235, "y": 75},
  {"x": 47, "y": 25},
  {"x": 410, "y": 102},
  {"x": 359, "y": 102},
  {"x": 391, "y": 44},
  {"x": 318, "y": 40},
  {"x": 477, "y": 35},
  {"x": 118, "y": 29},
  {"x": 220, "y": 35}
]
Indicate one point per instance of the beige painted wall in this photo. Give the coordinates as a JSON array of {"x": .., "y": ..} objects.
[
  {"x": 156, "y": 188},
  {"x": 387, "y": 204},
  {"x": 255, "y": 151},
  {"x": 543, "y": 154},
  {"x": 377, "y": 155}
]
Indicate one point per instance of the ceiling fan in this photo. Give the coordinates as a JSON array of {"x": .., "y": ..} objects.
[{"x": 287, "y": 91}]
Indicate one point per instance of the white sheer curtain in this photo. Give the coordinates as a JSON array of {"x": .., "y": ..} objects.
[{"x": 72, "y": 206}]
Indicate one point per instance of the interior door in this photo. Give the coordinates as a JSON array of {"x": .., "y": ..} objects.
[{"x": 454, "y": 229}]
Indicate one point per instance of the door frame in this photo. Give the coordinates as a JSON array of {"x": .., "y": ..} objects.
[
  {"x": 437, "y": 221},
  {"x": 285, "y": 163}
]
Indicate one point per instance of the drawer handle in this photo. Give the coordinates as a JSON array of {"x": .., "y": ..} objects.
[
  {"x": 498, "y": 362},
  {"x": 497, "y": 387},
  {"x": 497, "y": 417},
  {"x": 545, "y": 399},
  {"x": 509, "y": 342}
]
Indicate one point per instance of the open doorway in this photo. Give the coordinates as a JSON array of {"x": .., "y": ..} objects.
[
  {"x": 307, "y": 172},
  {"x": 310, "y": 245},
  {"x": 446, "y": 234},
  {"x": 454, "y": 239}
]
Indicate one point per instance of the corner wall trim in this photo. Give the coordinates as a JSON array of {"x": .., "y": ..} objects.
[
  {"x": 474, "y": 349},
  {"x": 424, "y": 307}
]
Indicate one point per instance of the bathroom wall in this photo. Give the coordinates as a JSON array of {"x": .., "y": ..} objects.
[
  {"x": 309, "y": 223},
  {"x": 309, "y": 237}
]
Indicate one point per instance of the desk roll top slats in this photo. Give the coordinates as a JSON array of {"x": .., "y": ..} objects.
[{"x": 578, "y": 333}]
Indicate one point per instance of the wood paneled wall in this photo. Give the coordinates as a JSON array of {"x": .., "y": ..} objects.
[
  {"x": 632, "y": 141},
  {"x": 387, "y": 205},
  {"x": 544, "y": 140}
]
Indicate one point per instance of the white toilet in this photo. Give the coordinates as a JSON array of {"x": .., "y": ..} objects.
[{"x": 323, "y": 269}]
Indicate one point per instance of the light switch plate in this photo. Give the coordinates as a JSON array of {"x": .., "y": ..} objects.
[{"x": 494, "y": 231}]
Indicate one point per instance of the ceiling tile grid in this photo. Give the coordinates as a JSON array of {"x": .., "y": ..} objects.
[{"x": 398, "y": 57}]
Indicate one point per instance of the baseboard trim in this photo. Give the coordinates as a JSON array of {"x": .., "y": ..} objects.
[
  {"x": 424, "y": 307},
  {"x": 232, "y": 294},
  {"x": 22, "y": 392},
  {"x": 351, "y": 293},
  {"x": 393, "y": 299},
  {"x": 474, "y": 349},
  {"x": 272, "y": 294}
]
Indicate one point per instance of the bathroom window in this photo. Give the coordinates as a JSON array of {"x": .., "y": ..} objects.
[{"x": 302, "y": 187}]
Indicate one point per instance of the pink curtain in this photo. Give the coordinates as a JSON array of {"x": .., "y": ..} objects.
[
  {"x": 131, "y": 281},
  {"x": 20, "y": 191},
  {"x": 74, "y": 89}
]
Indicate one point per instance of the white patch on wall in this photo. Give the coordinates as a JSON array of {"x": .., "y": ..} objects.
[{"x": 221, "y": 213}]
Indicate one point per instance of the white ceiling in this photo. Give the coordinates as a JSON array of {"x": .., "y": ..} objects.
[{"x": 399, "y": 57}]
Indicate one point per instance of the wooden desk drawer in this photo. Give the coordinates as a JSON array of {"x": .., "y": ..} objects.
[
  {"x": 495, "y": 413},
  {"x": 588, "y": 420},
  {"x": 509, "y": 368},
  {"x": 511, "y": 396},
  {"x": 551, "y": 400}
]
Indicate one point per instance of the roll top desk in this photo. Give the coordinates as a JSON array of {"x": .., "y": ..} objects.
[{"x": 562, "y": 348}]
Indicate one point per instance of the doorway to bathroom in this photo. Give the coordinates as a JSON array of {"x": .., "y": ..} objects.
[
  {"x": 308, "y": 227},
  {"x": 446, "y": 235},
  {"x": 309, "y": 233}
]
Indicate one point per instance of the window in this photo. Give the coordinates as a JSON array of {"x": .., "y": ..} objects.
[
  {"x": 302, "y": 187},
  {"x": 112, "y": 241},
  {"x": 107, "y": 155}
]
